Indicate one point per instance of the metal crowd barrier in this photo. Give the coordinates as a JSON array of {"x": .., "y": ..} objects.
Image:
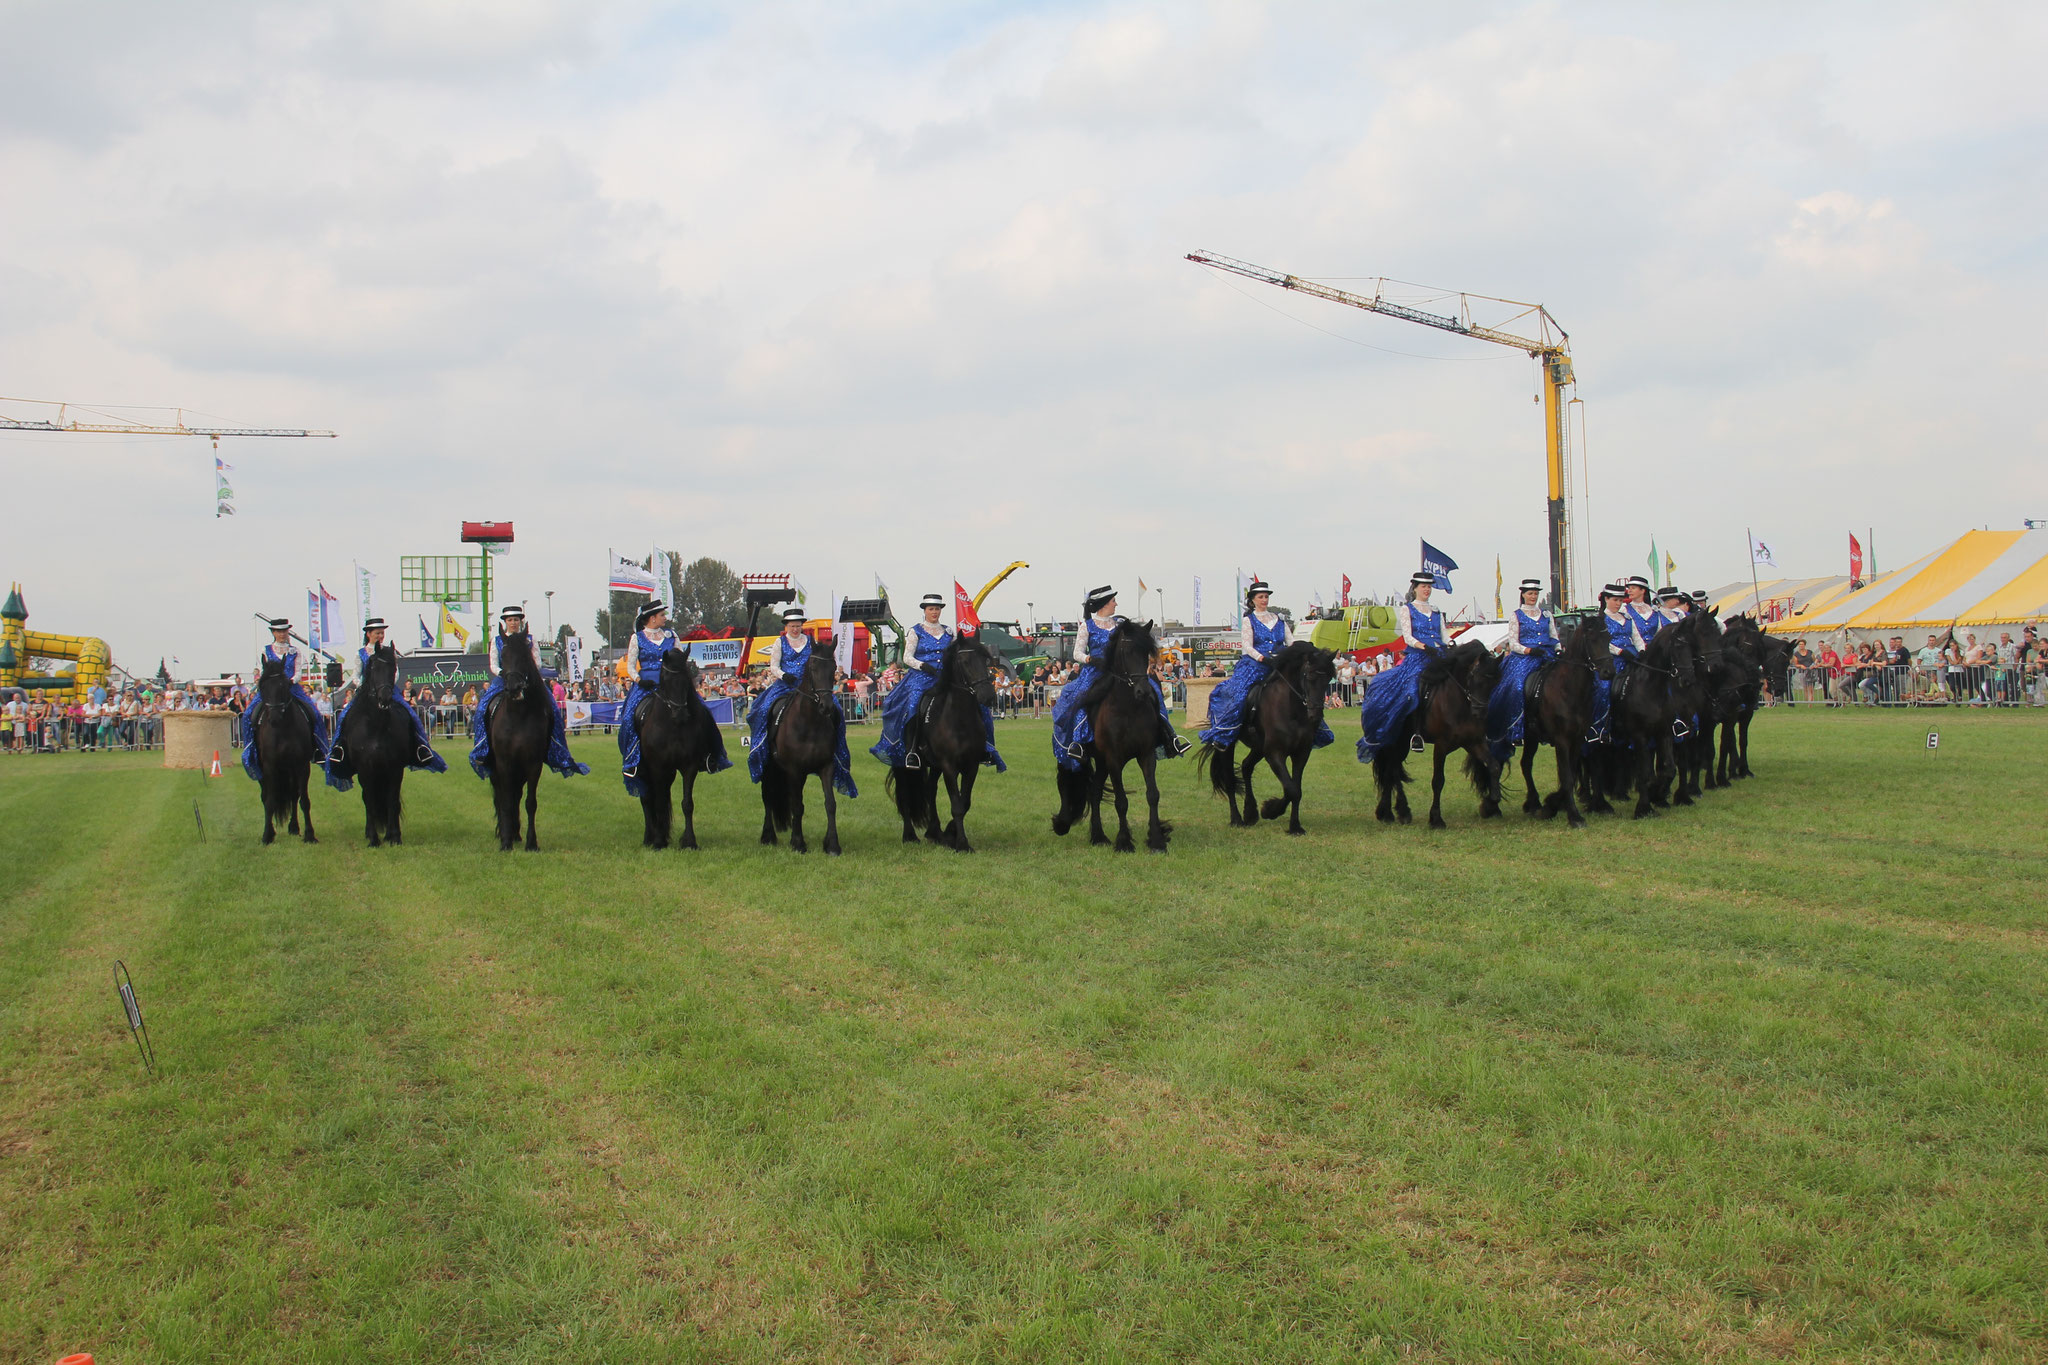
[{"x": 1911, "y": 685}]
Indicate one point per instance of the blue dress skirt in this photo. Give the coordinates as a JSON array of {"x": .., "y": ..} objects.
[
  {"x": 433, "y": 763},
  {"x": 629, "y": 742},
  {"x": 902, "y": 703},
  {"x": 558, "y": 736},
  {"x": 251, "y": 764},
  {"x": 1504, "y": 708},
  {"x": 1072, "y": 732},
  {"x": 1390, "y": 699},
  {"x": 757, "y": 729},
  {"x": 1227, "y": 703}
]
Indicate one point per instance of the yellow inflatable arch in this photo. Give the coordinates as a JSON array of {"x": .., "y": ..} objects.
[{"x": 88, "y": 655}]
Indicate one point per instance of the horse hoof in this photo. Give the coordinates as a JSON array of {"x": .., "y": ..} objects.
[
  {"x": 1435, "y": 823},
  {"x": 1383, "y": 817},
  {"x": 1576, "y": 821},
  {"x": 1296, "y": 830},
  {"x": 687, "y": 841},
  {"x": 1405, "y": 819}
]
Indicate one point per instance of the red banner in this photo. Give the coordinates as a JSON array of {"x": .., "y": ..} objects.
[
  {"x": 1347, "y": 590},
  {"x": 965, "y": 619},
  {"x": 1855, "y": 558}
]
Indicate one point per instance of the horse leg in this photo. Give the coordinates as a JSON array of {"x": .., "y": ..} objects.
[
  {"x": 371, "y": 813},
  {"x": 1436, "y": 787},
  {"x": 928, "y": 787},
  {"x": 796, "y": 810},
  {"x": 1157, "y": 830},
  {"x": 1251, "y": 801},
  {"x": 1742, "y": 751},
  {"x": 291, "y": 806},
  {"x": 955, "y": 836},
  {"x": 1097, "y": 775},
  {"x": 653, "y": 806},
  {"x": 269, "y": 815},
  {"x": 1567, "y": 788},
  {"x": 1645, "y": 779},
  {"x": 394, "y": 802},
  {"x": 1123, "y": 811},
  {"x": 1299, "y": 763},
  {"x": 767, "y": 816},
  {"x": 532, "y": 801},
  {"x": 689, "y": 839},
  {"x": 306, "y": 803},
  {"x": 1531, "y": 803},
  {"x": 831, "y": 814},
  {"x": 1489, "y": 800}
]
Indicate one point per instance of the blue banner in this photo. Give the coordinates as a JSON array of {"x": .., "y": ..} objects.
[
  {"x": 1435, "y": 561},
  {"x": 725, "y": 652}
]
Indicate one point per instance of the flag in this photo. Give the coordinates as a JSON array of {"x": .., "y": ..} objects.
[
  {"x": 1498, "y": 613},
  {"x": 966, "y": 619},
  {"x": 1855, "y": 558},
  {"x": 842, "y": 637},
  {"x": 1653, "y": 559},
  {"x": 1435, "y": 561},
  {"x": 366, "y": 595},
  {"x": 663, "y": 581},
  {"x": 802, "y": 599},
  {"x": 1760, "y": 553},
  {"x": 1142, "y": 589},
  {"x": 426, "y": 636},
  {"x": 1198, "y": 599},
  {"x": 574, "y": 651},
  {"x": 451, "y": 626},
  {"x": 630, "y": 577},
  {"x": 2036, "y": 523},
  {"x": 328, "y": 603},
  {"x": 223, "y": 496},
  {"x": 1347, "y": 591},
  {"x": 1237, "y": 602},
  {"x": 312, "y": 619},
  {"x": 1670, "y": 569},
  {"x": 1319, "y": 599}
]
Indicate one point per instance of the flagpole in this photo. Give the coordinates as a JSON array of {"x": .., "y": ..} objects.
[{"x": 1755, "y": 586}]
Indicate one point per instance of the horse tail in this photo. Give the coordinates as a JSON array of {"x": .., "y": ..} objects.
[
  {"x": 1073, "y": 783},
  {"x": 1480, "y": 773},
  {"x": 1218, "y": 762},
  {"x": 775, "y": 792},
  {"x": 909, "y": 790},
  {"x": 1390, "y": 764}
]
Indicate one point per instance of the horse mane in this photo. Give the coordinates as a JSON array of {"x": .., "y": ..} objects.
[
  {"x": 1453, "y": 661},
  {"x": 1660, "y": 651},
  {"x": 1297, "y": 655},
  {"x": 1588, "y": 637},
  {"x": 683, "y": 669},
  {"x": 518, "y": 649},
  {"x": 949, "y": 660}
]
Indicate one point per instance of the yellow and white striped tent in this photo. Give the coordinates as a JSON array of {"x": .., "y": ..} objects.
[
  {"x": 1785, "y": 597},
  {"x": 1983, "y": 578}
]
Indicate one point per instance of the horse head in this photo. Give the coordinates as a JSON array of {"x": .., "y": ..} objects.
[
  {"x": 380, "y": 676},
  {"x": 1308, "y": 672},
  {"x": 678, "y": 679},
  {"x": 1589, "y": 646},
  {"x": 821, "y": 675},
  {"x": 1130, "y": 650},
  {"x": 1472, "y": 666},
  {"x": 968, "y": 664},
  {"x": 273, "y": 685},
  {"x": 517, "y": 665}
]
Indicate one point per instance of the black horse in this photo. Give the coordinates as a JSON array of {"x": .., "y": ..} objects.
[
  {"x": 284, "y": 746},
  {"x": 520, "y": 724},
  {"x": 1693, "y": 749},
  {"x": 1557, "y": 709},
  {"x": 1451, "y": 715},
  {"x": 952, "y": 744},
  {"x": 1760, "y": 659},
  {"x": 803, "y": 740},
  {"x": 378, "y": 739},
  {"x": 678, "y": 737},
  {"x": 1123, "y": 713},
  {"x": 1646, "y": 704},
  {"x": 1282, "y": 717}
]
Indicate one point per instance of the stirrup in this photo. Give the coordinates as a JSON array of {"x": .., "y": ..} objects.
[
  {"x": 1679, "y": 729},
  {"x": 426, "y": 754},
  {"x": 1180, "y": 746},
  {"x": 1416, "y": 746},
  {"x": 911, "y": 760}
]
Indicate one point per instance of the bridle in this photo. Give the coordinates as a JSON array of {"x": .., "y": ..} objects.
[{"x": 810, "y": 694}]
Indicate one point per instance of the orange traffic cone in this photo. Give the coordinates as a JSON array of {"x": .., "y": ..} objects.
[
  {"x": 212, "y": 770},
  {"x": 82, "y": 1358}
]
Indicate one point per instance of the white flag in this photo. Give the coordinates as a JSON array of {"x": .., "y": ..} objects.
[
  {"x": 842, "y": 639},
  {"x": 575, "y": 653},
  {"x": 662, "y": 582},
  {"x": 630, "y": 577},
  {"x": 1760, "y": 553},
  {"x": 1198, "y": 599},
  {"x": 366, "y": 595}
]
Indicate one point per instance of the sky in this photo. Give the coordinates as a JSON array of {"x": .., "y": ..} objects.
[{"x": 898, "y": 289}]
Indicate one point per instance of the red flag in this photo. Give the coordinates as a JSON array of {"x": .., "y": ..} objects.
[
  {"x": 1347, "y": 590},
  {"x": 1855, "y": 558},
  {"x": 965, "y": 619}
]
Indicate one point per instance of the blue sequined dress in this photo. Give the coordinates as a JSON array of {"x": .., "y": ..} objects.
[
  {"x": 1393, "y": 696},
  {"x": 789, "y": 671},
  {"x": 432, "y": 763},
  {"x": 558, "y": 757},
  {"x": 1071, "y": 731},
  {"x": 651, "y": 655},
  {"x": 250, "y": 763},
  {"x": 1626, "y": 642},
  {"x": 1227, "y": 702},
  {"x": 1538, "y": 636},
  {"x": 909, "y": 694}
]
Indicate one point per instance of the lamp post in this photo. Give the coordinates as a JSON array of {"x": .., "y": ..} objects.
[
  {"x": 1031, "y": 613},
  {"x": 550, "y": 595}
]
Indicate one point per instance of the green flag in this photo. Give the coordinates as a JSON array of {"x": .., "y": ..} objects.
[{"x": 1653, "y": 560}]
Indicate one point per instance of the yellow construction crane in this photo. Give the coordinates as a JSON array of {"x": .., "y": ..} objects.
[
  {"x": 63, "y": 423},
  {"x": 990, "y": 586},
  {"x": 1551, "y": 345}
]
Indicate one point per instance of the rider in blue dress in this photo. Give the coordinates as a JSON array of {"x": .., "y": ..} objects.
[
  {"x": 340, "y": 773},
  {"x": 792, "y": 651},
  {"x": 900, "y": 722},
  {"x": 653, "y": 648},
  {"x": 280, "y": 647},
  {"x": 1534, "y": 643},
  {"x": 1071, "y": 731},
  {"x": 1264, "y": 634},
  {"x": 512, "y": 621},
  {"x": 1641, "y": 610},
  {"x": 1625, "y": 642},
  {"x": 1673, "y": 605},
  {"x": 1394, "y": 695}
]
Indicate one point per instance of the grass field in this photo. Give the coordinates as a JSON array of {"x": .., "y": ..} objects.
[{"x": 1762, "y": 1080}]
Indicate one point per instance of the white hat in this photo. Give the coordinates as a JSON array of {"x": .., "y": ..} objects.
[
  {"x": 649, "y": 610},
  {"x": 373, "y": 623},
  {"x": 931, "y": 599},
  {"x": 1420, "y": 577},
  {"x": 1532, "y": 585},
  {"x": 1671, "y": 595},
  {"x": 1636, "y": 580},
  {"x": 1612, "y": 590},
  {"x": 1257, "y": 585},
  {"x": 280, "y": 623},
  {"x": 1098, "y": 596},
  {"x": 792, "y": 614},
  {"x": 512, "y": 611}
]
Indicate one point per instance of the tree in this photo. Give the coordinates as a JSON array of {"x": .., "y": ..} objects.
[
  {"x": 615, "y": 618},
  {"x": 708, "y": 593}
]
